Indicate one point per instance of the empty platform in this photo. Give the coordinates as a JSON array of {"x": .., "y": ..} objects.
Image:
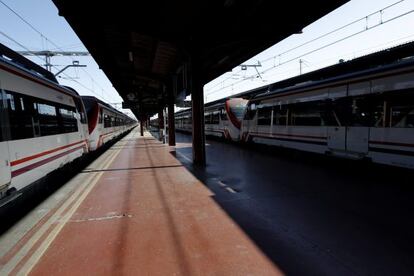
[{"x": 136, "y": 210}]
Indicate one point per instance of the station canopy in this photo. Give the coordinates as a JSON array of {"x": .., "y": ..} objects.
[{"x": 144, "y": 47}]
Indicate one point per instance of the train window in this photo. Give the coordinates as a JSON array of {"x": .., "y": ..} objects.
[
  {"x": 264, "y": 116},
  {"x": 81, "y": 110},
  {"x": 46, "y": 109},
  {"x": 22, "y": 104},
  {"x": 402, "y": 116},
  {"x": 341, "y": 109},
  {"x": 250, "y": 113},
  {"x": 223, "y": 115},
  {"x": 188, "y": 120},
  {"x": 215, "y": 118},
  {"x": 280, "y": 115},
  {"x": 207, "y": 118},
  {"x": 307, "y": 114},
  {"x": 20, "y": 116},
  {"x": 401, "y": 111},
  {"x": 107, "y": 121},
  {"x": 68, "y": 120},
  {"x": 2, "y": 117},
  {"x": 328, "y": 114},
  {"x": 10, "y": 102},
  {"x": 100, "y": 116},
  {"x": 367, "y": 111},
  {"x": 32, "y": 117},
  {"x": 48, "y": 119}
]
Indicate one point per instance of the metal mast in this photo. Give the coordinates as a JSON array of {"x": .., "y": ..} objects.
[{"x": 49, "y": 54}]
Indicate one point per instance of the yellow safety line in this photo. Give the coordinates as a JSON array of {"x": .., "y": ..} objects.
[
  {"x": 49, "y": 239},
  {"x": 82, "y": 190}
]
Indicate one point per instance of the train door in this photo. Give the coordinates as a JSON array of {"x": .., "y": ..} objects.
[
  {"x": 336, "y": 115},
  {"x": 82, "y": 122},
  {"x": 361, "y": 116},
  {"x": 5, "y": 170},
  {"x": 357, "y": 139},
  {"x": 5, "y": 175},
  {"x": 336, "y": 138},
  {"x": 350, "y": 130}
]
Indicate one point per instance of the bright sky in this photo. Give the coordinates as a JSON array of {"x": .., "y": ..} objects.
[{"x": 383, "y": 28}]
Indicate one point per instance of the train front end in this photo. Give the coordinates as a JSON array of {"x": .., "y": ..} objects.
[{"x": 235, "y": 110}]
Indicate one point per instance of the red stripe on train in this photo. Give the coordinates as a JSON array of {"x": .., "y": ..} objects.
[
  {"x": 42, "y": 162},
  {"x": 28, "y": 158}
]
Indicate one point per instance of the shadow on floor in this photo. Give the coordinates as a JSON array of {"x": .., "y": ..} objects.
[{"x": 311, "y": 214}]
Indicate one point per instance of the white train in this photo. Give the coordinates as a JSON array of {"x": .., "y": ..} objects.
[
  {"x": 43, "y": 125},
  {"x": 104, "y": 122},
  {"x": 366, "y": 114},
  {"x": 222, "y": 119}
]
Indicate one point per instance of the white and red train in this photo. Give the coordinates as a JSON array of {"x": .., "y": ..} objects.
[
  {"x": 104, "y": 122},
  {"x": 44, "y": 125},
  {"x": 366, "y": 114}
]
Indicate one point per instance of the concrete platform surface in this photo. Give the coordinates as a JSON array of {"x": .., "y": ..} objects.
[{"x": 138, "y": 211}]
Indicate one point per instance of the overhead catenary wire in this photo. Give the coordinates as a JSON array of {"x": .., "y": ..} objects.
[
  {"x": 18, "y": 43},
  {"x": 317, "y": 49},
  {"x": 334, "y": 31},
  {"x": 24, "y": 47},
  {"x": 273, "y": 58},
  {"x": 51, "y": 42}
]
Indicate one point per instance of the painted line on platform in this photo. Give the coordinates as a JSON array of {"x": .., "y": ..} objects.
[
  {"x": 72, "y": 203},
  {"x": 61, "y": 223},
  {"x": 185, "y": 157},
  {"x": 48, "y": 219},
  {"x": 231, "y": 190}
]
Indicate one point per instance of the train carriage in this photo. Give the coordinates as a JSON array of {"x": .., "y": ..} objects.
[
  {"x": 42, "y": 123},
  {"x": 221, "y": 119},
  {"x": 367, "y": 114},
  {"x": 104, "y": 122}
]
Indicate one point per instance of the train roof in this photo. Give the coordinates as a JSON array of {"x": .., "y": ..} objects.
[
  {"x": 92, "y": 98},
  {"x": 9, "y": 58},
  {"x": 408, "y": 63},
  {"x": 397, "y": 57}
]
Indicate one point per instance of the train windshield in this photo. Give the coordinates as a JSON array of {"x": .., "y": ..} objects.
[{"x": 237, "y": 107}]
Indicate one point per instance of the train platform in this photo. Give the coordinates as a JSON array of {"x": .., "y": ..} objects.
[{"x": 136, "y": 210}]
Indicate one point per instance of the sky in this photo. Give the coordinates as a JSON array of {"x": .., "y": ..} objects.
[{"x": 357, "y": 28}]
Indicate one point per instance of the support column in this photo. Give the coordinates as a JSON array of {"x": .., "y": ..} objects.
[
  {"x": 197, "y": 100},
  {"x": 141, "y": 122},
  {"x": 161, "y": 124},
  {"x": 171, "y": 120}
]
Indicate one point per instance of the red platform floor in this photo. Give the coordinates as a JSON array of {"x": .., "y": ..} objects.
[{"x": 139, "y": 212}]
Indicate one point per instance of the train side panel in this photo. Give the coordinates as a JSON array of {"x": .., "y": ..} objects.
[
  {"x": 43, "y": 127},
  {"x": 371, "y": 118}
]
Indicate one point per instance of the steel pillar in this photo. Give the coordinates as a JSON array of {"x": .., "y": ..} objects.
[
  {"x": 141, "y": 122},
  {"x": 197, "y": 100},
  {"x": 171, "y": 120},
  {"x": 161, "y": 124}
]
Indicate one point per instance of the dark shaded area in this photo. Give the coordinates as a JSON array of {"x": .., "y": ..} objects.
[
  {"x": 36, "y": 193},
  {"x": 311, "y": 214}
]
